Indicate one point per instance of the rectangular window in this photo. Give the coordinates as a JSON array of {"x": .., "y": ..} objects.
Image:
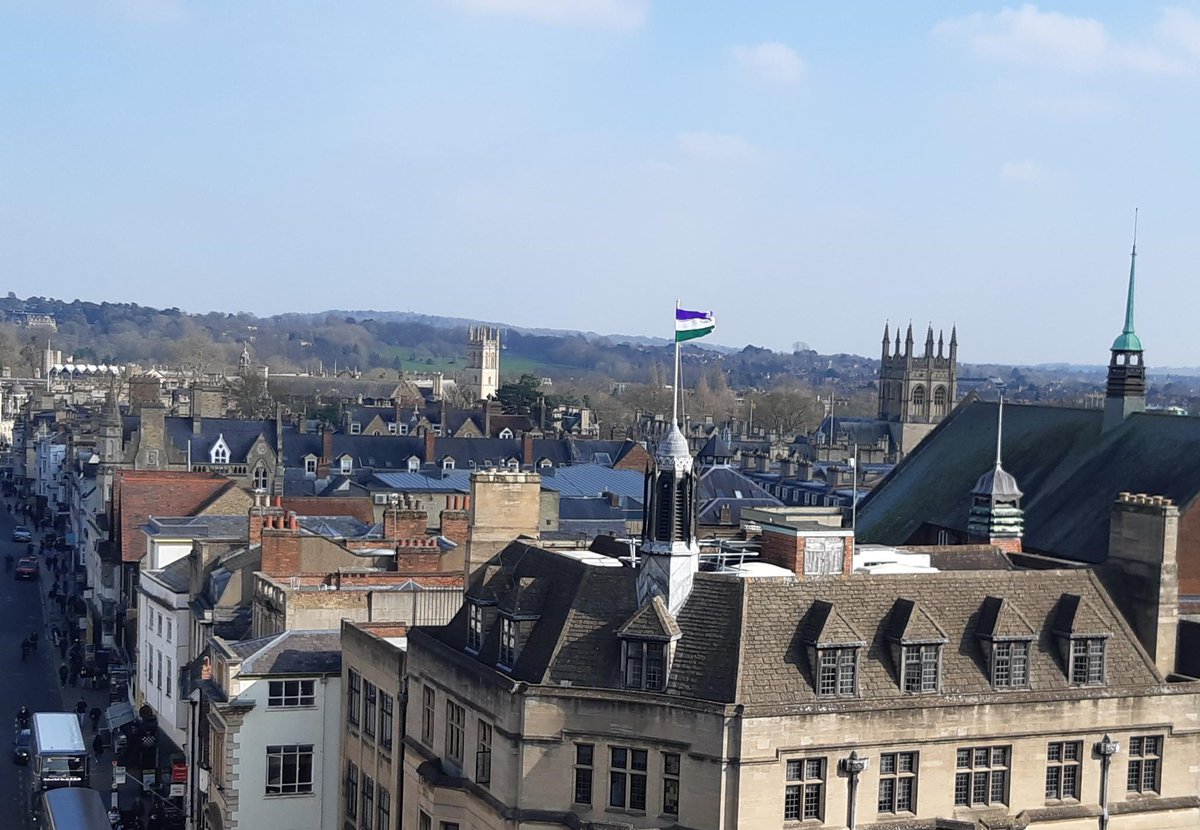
[
  {"x": 1063, "y": 759},
  {"x": 448, "y": 825},
  {"x": 804, "y": 795},
  {"x": 368, "y": 803},
  {"x": 424, "y": 822},
  {"x": 428, "y": 697},
  {"x": 627, "y": 778},
  {"x": 483, "y": 754},
  {"x": 351, "y": 805},
  {"x": 836, "y": 672},
  {"x": 1145, "y": 762},
  {"x": 982, "y": 777},
  {"x": 149, "y": 663},
  {"x": 455, "y": 719},
  {"x": 354, "y": 698},
  {"x": 169, "y": 676},
  {"x": 158, "y": 670},
  {"x": 283, "y": 694},
  {"x": 474, "y": 626},
  {"x": 385, "y": 810},
  {"x": 370, "y": 708},
  {"x": 508, "y": 642},
  {"x": 170, "y": 626},
  {"x": 898, "y": 782},
  {"x": 921, "y": 668},
  {"x": 1010, "y": 665},
  {"x": 584, "y": 760},
  {"x": 670, "y": 783},
  {"x": 1087, "y": 661},
  {"x": 310, "y": 465},
  {"x": 160, "y": 624},
  {"x": 645, "y": 665},
  {"x": 386, "y": 719},
  {"x": 289, "y": 769}
]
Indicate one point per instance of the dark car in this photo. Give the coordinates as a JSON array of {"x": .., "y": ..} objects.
[
  {"x": 21, "y": 746},
  {"x": 21, "y": 534},
  {"x": 27, "y": 568}
]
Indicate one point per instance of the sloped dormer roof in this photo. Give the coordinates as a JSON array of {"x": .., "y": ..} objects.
[
  {"x": 910, "y": 623},
  {"x": 824, "y": 627},
  {"x": 999, "y": 619},
  {"x": 652, "y": 622}
]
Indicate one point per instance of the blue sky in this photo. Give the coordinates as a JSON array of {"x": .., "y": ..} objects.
[{"x": 806, "y": 170}]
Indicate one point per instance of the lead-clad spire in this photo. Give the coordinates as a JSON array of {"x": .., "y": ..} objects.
[
  {"x": 1128, "y": 341},
  {"x": 1125, "y": 393},
  {"x": 996, "y": 513}
]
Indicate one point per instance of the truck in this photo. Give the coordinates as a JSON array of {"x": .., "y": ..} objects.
[{"x": 58, "y": 757}]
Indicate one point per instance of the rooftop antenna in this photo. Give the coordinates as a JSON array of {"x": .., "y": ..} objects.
[{"x": 999, "y": 428}]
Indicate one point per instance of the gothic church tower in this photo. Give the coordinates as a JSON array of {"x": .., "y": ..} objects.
[
  {"x": 917, "y": 389},
  {"x": 483, "y": 362}
]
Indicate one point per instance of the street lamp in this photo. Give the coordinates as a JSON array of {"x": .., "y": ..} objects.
[
  {"x": 1106, "y": 749},
  {"x": 853, "y": 766}
]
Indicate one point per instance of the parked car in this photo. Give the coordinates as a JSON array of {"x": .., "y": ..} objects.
[
  {"x": 21, "y": 742},
  {"x": 27, "y": 568},
  {"x": 22, "y": 534}
]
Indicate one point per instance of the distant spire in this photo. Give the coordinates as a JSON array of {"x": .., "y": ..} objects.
[
  {"x": 954, "y": 335},
  {"x": 886, "y": 338},
  {"x": 999, "y": 429},
  {"x": 1128, "y": 341},
  {"x": 941, "y": 343}
]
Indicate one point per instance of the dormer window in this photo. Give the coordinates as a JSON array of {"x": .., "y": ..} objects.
[
  {"x": 402, "y": 429},
  {"x": 347, "y": 465},
  {"x": 414, "y": 464},
  {"x": 391, "y": 428},
  {"x": 508, "y": 643},
  {"x": 1087, "y": 661},
  {"x": 310, "y": 465},
  {"x": 921, "y": 670},
  {"x": 1010, "y": 664},
  {"x": 474, "y": 626},
  {"x": 220, "y": 451},
  {"x": 645, "y": 665},
  {"x": 447, "y": 463},
  {"x": 837, "y": 670},
  {"x": 505, "y": 433},
  {"x": 355, "y": 428}
]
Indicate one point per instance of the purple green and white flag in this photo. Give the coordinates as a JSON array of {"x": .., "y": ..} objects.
[{"x": 692, "y": 324}]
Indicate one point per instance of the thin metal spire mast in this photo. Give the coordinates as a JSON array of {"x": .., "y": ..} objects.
[
  {"x": 999, "y": 429},
  {"x": 675, "y": 386}
]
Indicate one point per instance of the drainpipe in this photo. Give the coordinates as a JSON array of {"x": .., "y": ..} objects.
[
  {"x": 852, "y": 767},
  {"x": 1105, "y": 749}
]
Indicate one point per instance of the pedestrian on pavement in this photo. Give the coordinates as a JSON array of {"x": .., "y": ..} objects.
[
  {"x": 33, "y": 641},
  {"x": 74, "y": 679},
  {"x": 98, "y": 745},
  {"x": 62, "y": 648},
  {"x": 62, "y": 673},
  {"x": 94, "y": 713}
]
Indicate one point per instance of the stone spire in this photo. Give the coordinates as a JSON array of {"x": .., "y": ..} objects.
[
  {"x": 996, "y": 517},
  {"x": 1126, "y": 388},
  {"x": 670, "y": 554}
]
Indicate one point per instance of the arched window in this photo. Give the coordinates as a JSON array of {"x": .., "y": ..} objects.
[
  {"x": 918, "y": 397},
  {"x": 505, "y": 433},
  {"x": 261, "y": 480},
  {"x": 939, "y": 400},
  {"x": 220, "y": 451}
]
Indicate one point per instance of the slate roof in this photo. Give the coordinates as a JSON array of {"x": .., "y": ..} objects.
[
  {"x": 1070, "y": 473},
  {"x": 197, "y": 527},
  {"x": 747, "y": 640},
  {"x": 593, "y": 480},
  {"x": 177, "y": 576},
  {"x": 239, "y": 435},
  {"x": 292, "y": 652},
  {"x": 722, "y": 486}
]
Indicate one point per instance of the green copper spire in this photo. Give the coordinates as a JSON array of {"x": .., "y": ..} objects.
[{"x": 1129, "y": 341}]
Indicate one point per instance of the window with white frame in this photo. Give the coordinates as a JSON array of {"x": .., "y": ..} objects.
[
  {"x": 414, "y": 464},
  {"x": 981, "y": 779},
  {"x": 447, "y": 463},
  {"x": 355, "y": 428},
  {"x": 170, "y": 675},
  {"x": 289, "y": 694},
  {"x": 508, "y": 642},
  {"x": 1145, "y": 763},
  {"x": 220, "y": 452},
  {"x": 627, "y": 778},
  {"x": 261, "y": 480},
  {"x": 1063, "y": 762},
  {"x": 289, "y": 769},
  {"x": 347, "y": 465},
  {"x": 804, "y": 791},
  {"x": 158, "y": 661},
  {"x": 402, "y": 429},
  {"x": 921, "y": 668},
  {"x": 898, "y": 782},
  {"x": 310, "y": 465}
]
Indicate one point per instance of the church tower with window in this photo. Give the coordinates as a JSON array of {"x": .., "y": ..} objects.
[
  {"x": 917, "y": 389},
  {"x": 482, "y": 374}
]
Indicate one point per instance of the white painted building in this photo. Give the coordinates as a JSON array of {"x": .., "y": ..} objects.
[
  {"x": 273, "y": 727},
  {"x": 164, "y": 620}
]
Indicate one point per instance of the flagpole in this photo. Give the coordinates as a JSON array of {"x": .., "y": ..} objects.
[{"x": 675, "y": 386}]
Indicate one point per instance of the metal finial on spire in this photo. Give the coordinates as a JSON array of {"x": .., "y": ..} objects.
[
  {"x": 1128, "y": 341},
  {"x": 999, "y": 429}
]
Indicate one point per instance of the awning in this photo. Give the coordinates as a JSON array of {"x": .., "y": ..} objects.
[{"x": 119, "y": 714}]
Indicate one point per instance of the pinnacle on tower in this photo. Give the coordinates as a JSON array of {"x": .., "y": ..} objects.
[{"x": 941, "y": 344}]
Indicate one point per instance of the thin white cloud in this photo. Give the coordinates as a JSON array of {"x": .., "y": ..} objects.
[
  {"x": 709, "y": 146},
  {"x": 771, "y": 61},
  {"x": 1022, "y": 172},
  {"x": 1181, "y": 28},
  {"x": 604, "y": 14},
  {"x": 1031, "y": 37}
]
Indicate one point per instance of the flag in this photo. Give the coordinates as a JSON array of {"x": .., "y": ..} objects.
[{"x": 692, "y": 324}]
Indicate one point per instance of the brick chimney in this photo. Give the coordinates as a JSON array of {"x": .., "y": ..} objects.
[
  {"x": 281, "y": 544},
  {"x": 815, "y": 553},
  {"x": 431, "y": 445},
  {"x": 453, "y": 521},
  {"x": 527, "y": 450},
  {"x": 1142, "y": 574},
  {"x": 326, "y": 453},
  {"x": 404, "y": 519}
]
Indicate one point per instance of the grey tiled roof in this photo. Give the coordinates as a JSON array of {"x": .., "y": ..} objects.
[
  {"x": 747, "y": 640},
  {"x": 652, "y": 620},
  {"x": 177, "y": 576},
  {"x": 292, "y": 652}
]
